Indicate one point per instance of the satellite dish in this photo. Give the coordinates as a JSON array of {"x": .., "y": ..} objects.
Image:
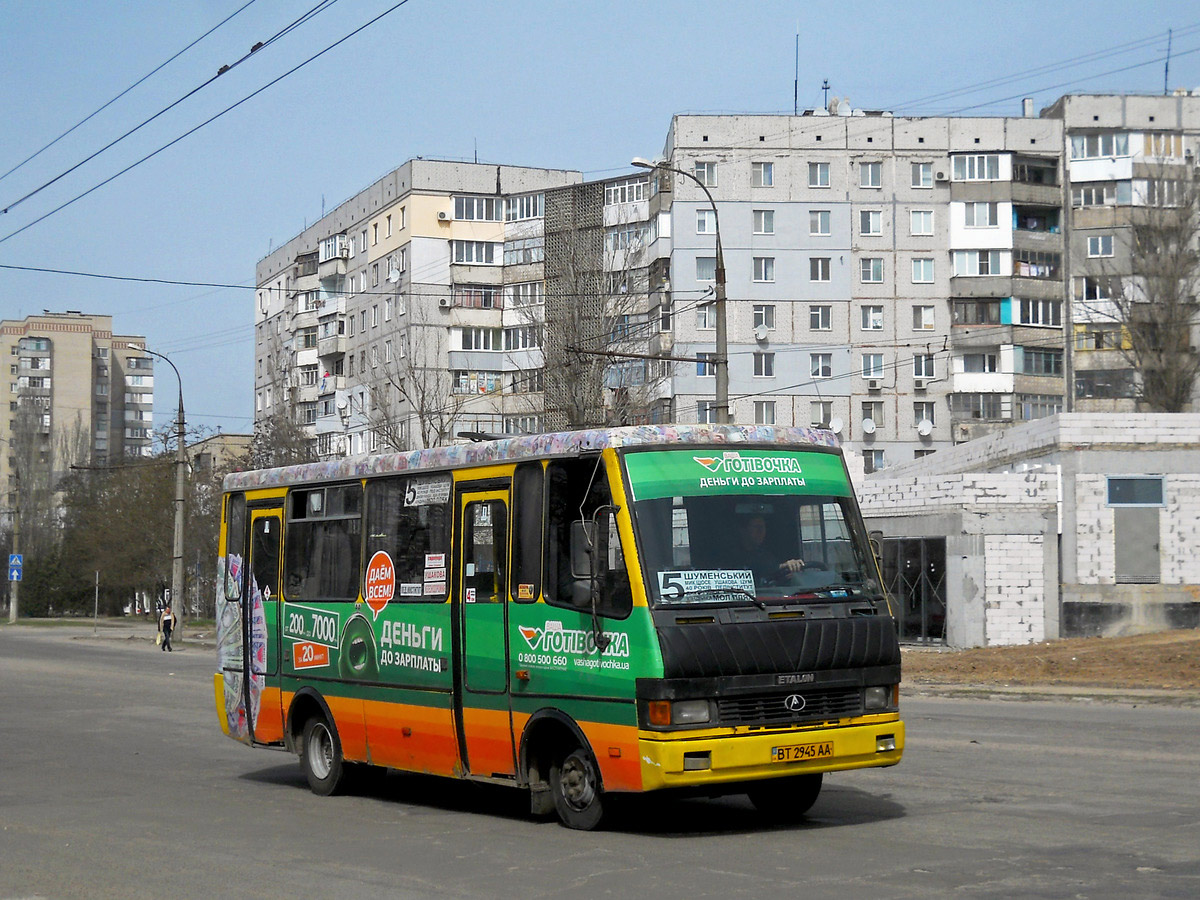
[
  {"x": 761, "y": 332},
  {"x": 868, "y": 426},
  {"x": 393, "y": 276},
  {"x": 342, "y": 403},
  {"x": 924, "y": 428},
  {"x": 836, "y": 425}
]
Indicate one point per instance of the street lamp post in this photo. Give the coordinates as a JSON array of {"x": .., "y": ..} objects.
[
  {"x": 176, "y": 603},
  {"x": 721, "y": 362}
]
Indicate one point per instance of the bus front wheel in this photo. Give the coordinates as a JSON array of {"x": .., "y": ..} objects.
[
  {"x": 786, "y": 799},
  {"x": 575, "y": 785},
  {"x": 321, "y": 757}
]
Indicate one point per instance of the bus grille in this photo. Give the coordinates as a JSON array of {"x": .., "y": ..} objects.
[{"x": 766, "y": 709}]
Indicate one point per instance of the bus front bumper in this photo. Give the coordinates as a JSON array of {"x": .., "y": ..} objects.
[{"x": 675, "y": 760}]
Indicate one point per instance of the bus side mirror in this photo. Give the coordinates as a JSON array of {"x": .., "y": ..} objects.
[{"x": 583, "y": 540}]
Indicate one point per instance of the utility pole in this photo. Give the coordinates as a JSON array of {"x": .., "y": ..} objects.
[
  {"x": 721, "y": 362},
  {"x": 176, "y": 603},
  {"x": 13, "y": 586}
]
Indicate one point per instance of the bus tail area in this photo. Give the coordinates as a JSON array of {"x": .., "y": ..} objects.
[{"x": 683, "y": 609}]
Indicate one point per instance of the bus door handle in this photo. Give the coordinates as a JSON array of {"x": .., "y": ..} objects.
[{"x": 521, "y": 674}]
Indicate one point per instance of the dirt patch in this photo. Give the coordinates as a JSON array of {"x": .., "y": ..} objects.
[{"x": 1167, "y": 660}]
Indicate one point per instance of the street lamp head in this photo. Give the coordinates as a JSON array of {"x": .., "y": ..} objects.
[{"x": 643, "y": 163}]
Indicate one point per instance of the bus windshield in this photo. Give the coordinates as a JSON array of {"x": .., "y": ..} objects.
[{"x": 747, "y": 527}]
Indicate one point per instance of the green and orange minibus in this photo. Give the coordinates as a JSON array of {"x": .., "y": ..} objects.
[{"x": 689, "y": 608}]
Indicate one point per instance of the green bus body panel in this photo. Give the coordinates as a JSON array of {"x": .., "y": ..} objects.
[{"x": 654, "y": 474}]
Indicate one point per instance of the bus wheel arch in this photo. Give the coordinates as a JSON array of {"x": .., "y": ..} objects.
[
  {"x": 561, "y": 770},
  {"x": 305, "y": 704}
]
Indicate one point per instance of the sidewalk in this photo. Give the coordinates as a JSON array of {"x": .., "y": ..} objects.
[{"x": 1052, "y": 692}]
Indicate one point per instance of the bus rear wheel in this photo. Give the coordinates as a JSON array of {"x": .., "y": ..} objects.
[
  {"x": 575, "y": 785},
  {"x": 786, "y": 799},
  {"x": 321, "y": 757}
]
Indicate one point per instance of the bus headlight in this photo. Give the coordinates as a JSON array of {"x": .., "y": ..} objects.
[
  {"x": 878, "y": 697},
  {"x": 689, "y": 712}
]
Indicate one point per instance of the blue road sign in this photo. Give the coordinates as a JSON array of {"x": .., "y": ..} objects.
[
  {"x": 14, "y": 573},
  {"x": 14, "y": 560}
]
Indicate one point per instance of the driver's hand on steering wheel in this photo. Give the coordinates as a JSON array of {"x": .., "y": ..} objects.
[{"x": 791, "y": 565}]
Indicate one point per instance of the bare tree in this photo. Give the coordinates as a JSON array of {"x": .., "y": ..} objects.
[
  {"x": 1149, "y": 291},
  {"x": 415, "y": 402},
  {"x": 280, "y": 438}
]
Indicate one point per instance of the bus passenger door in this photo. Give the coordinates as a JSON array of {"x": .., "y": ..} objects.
[
  {"x": 482, "y": 715},
  {"x": 260, "y": 628}
]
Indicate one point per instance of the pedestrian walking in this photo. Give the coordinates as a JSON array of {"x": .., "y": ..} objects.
[{"x": 166, "y": 621}]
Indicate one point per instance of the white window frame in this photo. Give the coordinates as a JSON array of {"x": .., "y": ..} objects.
[
  {"x": 922, "y": 270},
  {"x": 764, "y": 364},
  {"x": 1099, "y": 245},
  {"x": 924, "y": 317},
  {"x": 706, "y": 221},
  {"x": 870, "y": 222},
  {"x": 820, "y": 222},
  {"x": 764, "y": 315},
  {"x": 818, "y": 174},
  {"x": 925, "y": 227},
  {"x": 823, "y": 314},
  {"x": 705, "y": 172},
  {"x": 762, "y": 174},
  {"x": 764, "y": 269},
  {"x": 922, "y": 175},
  {"x": 870, "y": 175},
  {"x": 764, "y": 221},
  {"x": 871, "y": 317},
  {"x": 820, "y": 365},
  {"x": 764, "y": 412},
  {"x": 872, "y": 365},
  {"x": 818, "y": 266},
  {"x": 870, "y": 269}
]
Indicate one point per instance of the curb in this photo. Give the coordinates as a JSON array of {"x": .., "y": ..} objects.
[{"x": 1053, "y": 693}]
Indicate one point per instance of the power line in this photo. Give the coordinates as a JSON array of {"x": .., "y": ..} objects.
[
  {"x": 105, "y": 106},
  {"x": 209, "y": 120}
]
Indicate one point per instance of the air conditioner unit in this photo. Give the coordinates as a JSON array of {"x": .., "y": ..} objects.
[
  {"x": 443, "y": 216},
  {"x": 444, "y": 302},
  {"x": 940, "y": 176},
  {"x": 874, "y": 384},
  {"x": 919, "y": 384}
]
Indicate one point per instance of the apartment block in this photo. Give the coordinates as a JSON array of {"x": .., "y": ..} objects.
[{"x": 76, "y": 393}]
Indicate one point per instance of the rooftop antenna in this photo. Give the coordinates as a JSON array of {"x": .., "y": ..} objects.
[
  {"x": 796, "y": 77},
  {"x": 1167, "y": 64},
  {"x": 825, "y": 88}
]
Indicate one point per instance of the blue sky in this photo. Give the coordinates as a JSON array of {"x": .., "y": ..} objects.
[{"x": 582, "y": 85}]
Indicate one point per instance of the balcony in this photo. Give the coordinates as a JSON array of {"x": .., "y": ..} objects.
[
  {"x": 334, "y": 346},
  {"x": 981, "y": 286},
  {"x": 331, "y": 384},
  {"x": 1037, "y": 194}
]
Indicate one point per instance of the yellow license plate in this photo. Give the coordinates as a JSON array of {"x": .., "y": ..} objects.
[{"x": 798, "y": 752}]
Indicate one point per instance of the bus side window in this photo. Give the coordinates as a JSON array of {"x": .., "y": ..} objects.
[
  {"x": 484, "y": 548},
  {"x": 577, "y": 488},
  {"x": 526, "y": 580},
  {"x": 235, "y": 545},
  {"x": 324, "y": 541},
  {"x": 408, "y": 534}
]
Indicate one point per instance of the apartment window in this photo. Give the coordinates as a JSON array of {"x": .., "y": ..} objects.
[
  {"x": 976, "y": 262},
  {"x": 308, "y": 338},
  {"x": 522, "y": 337},
  {"x": 1096, "y": 146},
  {"x": 764, "y": 365},
  {"x": 706, "y": 268},
  {"x": 481, "y": 338},
  {"x": 362, "y": 321},
  {"x": 374, "y": 357},
  {"x": 922, "y": 270},
  {"x": 764, "y": 315},
  {"x": 764, "y": 221},
  {"x": 818, "y": 174},
  {"x": 764, "y": 268},
  {"x": 476, "y": 296},
  {"x": 627, "y": 191},
  {"x": 924, "y": 411},
  {"x": 706, "y": 316},
  {"x": 872, "y": 318},
  {"x": 1163, "y": 145},
  {"x": 706, "y": 412},
  {"x": 478, "y": 209},
  {"x": 525, "y": 293},
  {"x": 923, "y": 318},
  {"x": 1042, "y": 362},
  {"x": 870, "y": 222},
  {"x": 1036, "y": 263},
  {"x": 621, "y": 238},
  {"x": 375, "y": 275},
  {"x": 474, "y": 252},
  {"x": 533, "y": 206},
  {"x": 872, "y": 365},
  {"x": 870, "y": 174},
  {"x": 923, "y": 365},
  {"x": 1093, "y": 288},
  {"x": 362, "y": 241},
  {"x": 375, "y": 316},
  {"x": 818, "y": 268},
  {"x": 762, "y": 174},
  {"x": 976, "y": 312},
  {"x": 706, "y": 173},
  {"x": 820, "y": 413},
  {"x": 308, "y": 376},
  {"x": 1038, "y": 406},
  {"x": 977, "y": 168},
  {"x": 1041, "y": 312},
  {"x": 1105, "y": 193},
  {"x": 873, "y": 461},
  {"x": 820, "y": 318},
  {"x": 764, "y": 412},
  {"x": 705, "y": 364},
  {"x": 922, "y": 175},
  {"x": 981, "y": 215},
  {"x": 1099, "y": 337},
  {"x": 468, "y": 382},
  {"x": 980, "y": 362},
  {"x": 871, "y": 268},
  {"x": 818, "y": 222},
  {"x": 706, "y": 221},
  {"x": 1100, "y": 245},
  {"x": 921, "y": 222},
  {"x": 820, "y": 365},
  {"x": 374, "y": 233},
  {"x": 664, "y": 316},
  {"x": 873, "y": 410},
  {"x": 387, "y": 351},
  {"x": 389, "y": 226}
]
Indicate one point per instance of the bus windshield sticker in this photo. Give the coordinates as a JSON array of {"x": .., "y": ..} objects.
[
  {"x": 427, "y": 491},
  {"x": 687, "y": 473},
  {"x": 710, "y": 585},
  {"x": 410, "y": 590},
  {"x": 380, "y": 584}
]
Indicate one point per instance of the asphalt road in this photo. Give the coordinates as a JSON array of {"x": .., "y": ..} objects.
[{"x": 117, "y": 782}]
